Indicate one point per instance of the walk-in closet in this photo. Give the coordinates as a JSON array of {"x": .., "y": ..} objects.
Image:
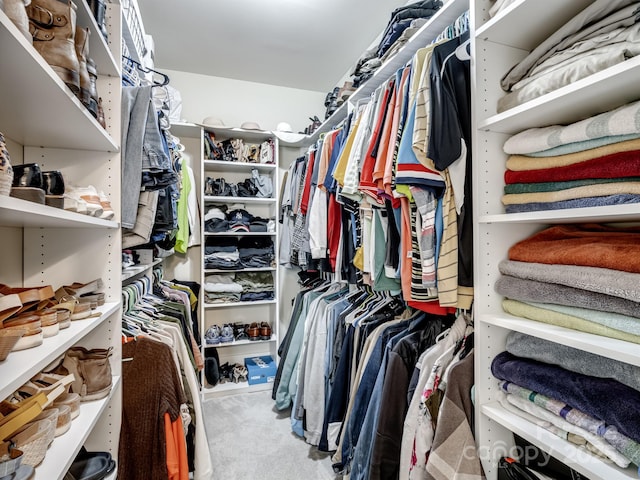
[{"x": 305, "y": 240}]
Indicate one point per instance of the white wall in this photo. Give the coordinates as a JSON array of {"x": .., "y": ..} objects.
[{"x": 237, "y": 101}]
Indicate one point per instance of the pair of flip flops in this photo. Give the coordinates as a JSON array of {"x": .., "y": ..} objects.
[{"x": 90, "y": 466}]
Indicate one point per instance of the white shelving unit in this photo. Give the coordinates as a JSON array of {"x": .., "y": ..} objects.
[
  {"x": 497, "y": 44},
  {"x": 240, "y": 312},
  {"x": 45, "y": 123}
]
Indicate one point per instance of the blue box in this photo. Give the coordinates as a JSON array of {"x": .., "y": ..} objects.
[{"x": 261, "y": 369}]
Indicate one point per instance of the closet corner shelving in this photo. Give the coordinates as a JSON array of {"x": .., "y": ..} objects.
[
  {"x": 240, "y": 312},
  {"x": 498, "y": 43},
  {"x": 44, "y": 123}
]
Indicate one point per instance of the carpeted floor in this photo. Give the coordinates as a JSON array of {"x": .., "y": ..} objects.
[{"x": 250, "y": 440}]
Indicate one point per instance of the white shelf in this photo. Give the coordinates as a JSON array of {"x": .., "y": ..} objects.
[
  {"x": 230, "y": 388},
  {"x": 513, "y": 25},
  {"x": 618, "y": 213},
  {"x": 607, "y": 347},
  {"x": 249, "y": 136},
  {"x": 216, "y": 165},
  {"x": 20, "y": 366},
  {"x": 238, "y": 304},
  {"x": 28, "y": 86},
  {"x": 211, "y": 199},
  {"x": 98, "y": 48},
  {"x": 64, "y": 448},
  {"x": 239, "y": 234},
  {"x": 597, "y": 93},
  {"x": 578, "y": 459},
  {"x": 15, "y": 212},
  {"x": 185, "y": 129},
  {"x": 235, "y": 343},
  {"x": 135, "y": 270},
  {"x": 249, "y": 269}
]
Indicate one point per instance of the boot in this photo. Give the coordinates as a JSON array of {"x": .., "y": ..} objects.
[
  {"x": 82, "y": 52},
  {"x": 53, "y": 26},
  {"x": 101, "y": 120},
  {"x": 93, "y": 90},
  {"x": 17, "y": 12},
  {"x": 99, "y": 10},
  {"x": 92, "y": 372}
]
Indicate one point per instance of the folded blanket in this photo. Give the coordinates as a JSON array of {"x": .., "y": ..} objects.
[
  {"x": 602, "y": 398},
  {"x": 543, "y": 315},
  {"x": 559, "y": 432},
  {"x": 571, "y": 71},
  {"x": 573, "y": 359},
  {"x": 616, "y": 321},
  {"x": 523, "y": 162},
  {"x": 601, "y": 445},
  {"x": 601, "y": 280},
  {"x": 621, "y": 121},
  {"x": 589, "y": 245},
  {"x": 575, "y": 29},
  {"x": 534, "y": 291},
  {"x": 585, "y": 191},
  {"x": 622, "y": 164},
  {"x": 518, "y": 188},
  {"x": 577, "y": 147},
  {"x": 586, "y": 202}
]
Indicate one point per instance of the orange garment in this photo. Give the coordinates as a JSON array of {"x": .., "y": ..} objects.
[
  {"x": 385, "y": 141},
  {"x": 384, "y": 183},
  {"x": 366, "y": 173},
  {"x": 325, "y": 157},
  {"x": 177, "y": 462}
]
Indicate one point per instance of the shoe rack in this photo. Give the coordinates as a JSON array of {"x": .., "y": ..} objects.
[
  {"x": 498, "y": 43},
  {"x": 191, "y": 265},
  {"x": 45, "y": 123}
]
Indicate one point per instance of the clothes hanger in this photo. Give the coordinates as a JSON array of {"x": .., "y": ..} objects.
[
  {"x": 143, "y": 69},
  {"x": 462, "y": 51}
]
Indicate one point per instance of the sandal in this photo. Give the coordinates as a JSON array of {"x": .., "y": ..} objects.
[
  {"x": 239, "y": 373},
  {"x": 14, "y": 416},
  {"x": 9, "y": 305},
  {"x": 10, "y": 459},
  {"x": 28, "y": 296}
]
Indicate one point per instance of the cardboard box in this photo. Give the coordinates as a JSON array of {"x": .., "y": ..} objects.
[{"x": 261, "y": 369}]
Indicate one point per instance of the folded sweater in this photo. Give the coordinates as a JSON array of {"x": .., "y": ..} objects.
[
  {"x": 601, "y": 280},
  {"x": 524, "y": 162},
  {"x": 621, "y": 164},
  {"x": 526, "y": 290},
  {"x": 594, "y": 396},
  {"x": 590, "y": 245}
]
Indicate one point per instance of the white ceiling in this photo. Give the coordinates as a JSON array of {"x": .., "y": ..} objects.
[{"x": 307, "y": 44}]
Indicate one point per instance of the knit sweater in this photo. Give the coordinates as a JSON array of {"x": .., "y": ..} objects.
[{"x": 151, "y": 387}]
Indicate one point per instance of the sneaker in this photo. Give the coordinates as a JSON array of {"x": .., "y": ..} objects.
[
  {"x": 226, "y": 335},
  {"x": 212, "y": 335},
  {"x": 90, "y": 196},
  {"x": 107, "y": 211}
]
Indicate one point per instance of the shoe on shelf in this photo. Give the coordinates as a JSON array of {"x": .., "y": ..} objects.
[
  {"x": 254, "y": 332},
  {"x": 226, "y": 334},
  {"x": 107, "y": 211},
  {"x": 52, "y": 24},
  {"x": 89, "y": 195},
  {"x": 239, "y": 373},
  {"x": 212, "y": 335},
  {"x": 240, "y": 331},
  {"x": 265, "y": 331},
  {"x": 91, "y": 370},
  {"x": 211, "y": 371}
]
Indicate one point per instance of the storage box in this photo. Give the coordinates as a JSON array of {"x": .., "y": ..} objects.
[{"x": 261, "y": 369}]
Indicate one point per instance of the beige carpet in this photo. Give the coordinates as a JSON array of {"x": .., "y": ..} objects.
[{"x": 250, "y": 440}]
